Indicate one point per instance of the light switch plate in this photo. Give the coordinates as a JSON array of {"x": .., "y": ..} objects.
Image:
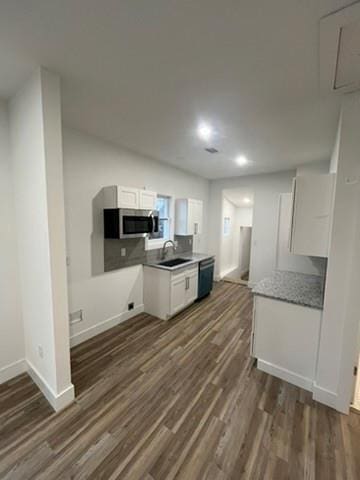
[{"x": 123, "y": 252}]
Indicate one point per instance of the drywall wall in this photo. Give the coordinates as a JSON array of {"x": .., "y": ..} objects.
[
  {"x": 35, "y": 124},
  {"x": 335, "y": 153},
  {"x": 267, "y": 189},
  {"x": 12, "y": 351},
  {"x": 244, "y": 249},
  {"x": 89, "y": 165},
  {"x": 314, "y": 168},
  {"x": 340, "y": 324},
  {"x": 245, "y": 216}
]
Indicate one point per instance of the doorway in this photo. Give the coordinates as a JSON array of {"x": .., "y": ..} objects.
[{"x": 235, "y": 251}]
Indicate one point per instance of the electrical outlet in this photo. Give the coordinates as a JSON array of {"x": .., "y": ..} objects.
[
  {"x": 131, "y": 306},
  {"x": 123, "y": 252},
  {"x": 40, "y": 351}
]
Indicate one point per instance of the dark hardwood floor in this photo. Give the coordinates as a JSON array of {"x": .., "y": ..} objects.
[{"x": 181, "y": 399}]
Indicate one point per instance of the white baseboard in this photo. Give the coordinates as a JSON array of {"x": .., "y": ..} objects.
[
  {"x": 326, "y": 397},
  {"x": 12, "y": 370},
  {"x": 57, "y": 401},
  {"x": 227, "y": 271},
  {"x": 90, "y": 332},
  {"x": 287, "y": 375}
]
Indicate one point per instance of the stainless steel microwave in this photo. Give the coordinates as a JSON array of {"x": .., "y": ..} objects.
[{"x": 130, "y": 223}]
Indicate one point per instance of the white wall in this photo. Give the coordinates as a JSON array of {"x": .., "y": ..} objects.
[
  {"x": 12, "y": 350},
  {"x": 37, "y": 168},
  {"x": 245, "y": 216},
  {"x": 267, "y": 189},
  {"x": 89, "y": 165},
  {"x": 338, "y": 340},
  {"x": 314, "y": 168},
  {"x": 244, "y": 249}
]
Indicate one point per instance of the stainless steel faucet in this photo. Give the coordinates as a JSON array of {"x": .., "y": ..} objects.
[{"x": 164, "y": 251}]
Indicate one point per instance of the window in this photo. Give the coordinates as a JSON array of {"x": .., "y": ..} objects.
[{"x": 163, "y": 205}]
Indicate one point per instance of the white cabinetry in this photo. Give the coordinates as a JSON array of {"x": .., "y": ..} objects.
[
  {"x": 117, "y": 196},
  {"x": 168, "y": 292},
  {"x": 147, "y": 199},
  {"x": 189, "y": 218},
  {"x": 285, "y": 340},
  {"x": 312, "y": 201}
]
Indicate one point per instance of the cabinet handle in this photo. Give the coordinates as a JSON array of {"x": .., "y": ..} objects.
[
  {"x": 187, "y": 283},
  {"x": 195, "y": 228}
]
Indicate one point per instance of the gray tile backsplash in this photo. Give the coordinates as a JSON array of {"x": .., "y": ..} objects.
[{"x": 136, "y": 253}]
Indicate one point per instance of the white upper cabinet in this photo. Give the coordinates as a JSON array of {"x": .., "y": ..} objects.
[
  {"x": 188, "y": 216},
  {"x": 127, "y": 197},
  {"x": 312, "y": 202},
  {"x": 147, "y": 199},
  {"x": 117, "y": 196}
]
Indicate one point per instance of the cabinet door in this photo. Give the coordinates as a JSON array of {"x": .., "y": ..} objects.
[
  {"x": 311, "y": 215},
  {"x": 194, "y": 216},
  {"x": 128, "y": 197},
  {"x": 191, "y": 217},
  {"x": 198, "y": 217},
  {"x": 177, "y": 301},
  {"x": 147, "y": 200},
  {"x": 191, "y": 285}
]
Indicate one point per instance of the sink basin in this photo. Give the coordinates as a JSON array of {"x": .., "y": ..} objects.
[{"x": 174, "y": 262}]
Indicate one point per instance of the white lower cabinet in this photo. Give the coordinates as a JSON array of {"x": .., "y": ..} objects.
[
  {"x": 177, "y": 294},
  {"x": 168, "y": 292},
  {"x": 285, "y": 340}
]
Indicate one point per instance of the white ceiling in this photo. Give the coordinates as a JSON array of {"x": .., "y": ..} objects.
[
  {"x": 237, "y": 196},
  {"x": 144, "y": 73}
]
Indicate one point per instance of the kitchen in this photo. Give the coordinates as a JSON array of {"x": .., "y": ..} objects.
[{"x": 128, "y": 153}]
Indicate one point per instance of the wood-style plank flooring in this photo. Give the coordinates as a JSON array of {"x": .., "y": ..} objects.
[{"x": 181, "y": 399}]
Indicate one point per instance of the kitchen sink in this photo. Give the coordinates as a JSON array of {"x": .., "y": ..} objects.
[{"x": 174, "y": 262}]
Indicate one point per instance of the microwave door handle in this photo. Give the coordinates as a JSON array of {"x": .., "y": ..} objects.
[{"x": 153, "y": 224}]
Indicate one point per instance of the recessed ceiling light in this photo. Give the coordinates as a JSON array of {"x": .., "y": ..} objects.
[
  {"x": 241, "y": 160},
  {"x": 247, "y": 200},
  {"x": 205, "y": 131}
]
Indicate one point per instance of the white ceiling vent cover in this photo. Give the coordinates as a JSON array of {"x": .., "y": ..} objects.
[{"x": 340, "y": 51}]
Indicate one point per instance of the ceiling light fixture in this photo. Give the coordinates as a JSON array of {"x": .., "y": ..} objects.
[
  {"x": 247, "y": 200},
  {"x": 205, "y": 131},
  {"x": 241, "y": 160}
]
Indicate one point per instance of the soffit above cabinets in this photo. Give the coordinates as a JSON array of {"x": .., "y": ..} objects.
[{"x": 340, "y": 51}]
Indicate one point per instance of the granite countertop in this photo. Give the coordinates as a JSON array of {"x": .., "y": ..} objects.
[
  {"x": 292, "y": 287},
  {"x": 193, "y": 258}
]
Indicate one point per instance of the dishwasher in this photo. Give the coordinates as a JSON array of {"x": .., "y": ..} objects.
[{"x": 206, "y": 277}]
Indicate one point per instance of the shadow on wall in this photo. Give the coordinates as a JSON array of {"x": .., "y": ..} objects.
[{"x": 97, "y": 235}]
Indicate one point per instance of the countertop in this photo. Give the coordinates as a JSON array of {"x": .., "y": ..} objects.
[
  {"x": 292, "y": 287},
  {"x": 193, "y": 258}
]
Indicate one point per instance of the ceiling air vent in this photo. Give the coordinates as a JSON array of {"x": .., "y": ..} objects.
[{"x": 211, "y": 150}]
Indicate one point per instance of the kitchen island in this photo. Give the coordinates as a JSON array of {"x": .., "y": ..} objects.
[{"x": 286, "y": 326}]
